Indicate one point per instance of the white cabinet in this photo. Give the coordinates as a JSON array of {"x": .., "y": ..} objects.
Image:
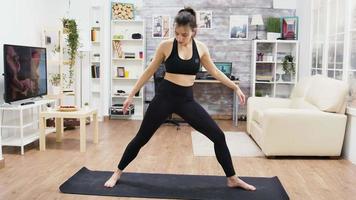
[
  {"x": 19, "y": 124},
  {"x": 54, "y": 40},
  {"x": 127, "y": 63},
  {"x": 268, "y": 77}
]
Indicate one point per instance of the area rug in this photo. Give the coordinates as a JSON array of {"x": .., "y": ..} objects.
[{"x": 239, "y": 143}]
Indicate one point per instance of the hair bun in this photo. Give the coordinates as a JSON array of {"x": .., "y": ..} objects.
[{"x": 188, "y": 9}]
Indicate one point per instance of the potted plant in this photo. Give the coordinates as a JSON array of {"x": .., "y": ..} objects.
[
  {"x": 273, "y": 28},
  {"x": 288, "y": 68},
  {"x": 258, "y": 93},
  {"x": 70, "y": 28},
  {"x": 55, "y": 80}
]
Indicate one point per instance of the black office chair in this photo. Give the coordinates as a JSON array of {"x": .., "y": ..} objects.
[{"x": 158, "y": 77}]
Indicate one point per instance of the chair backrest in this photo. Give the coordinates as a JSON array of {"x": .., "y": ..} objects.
[
  {"x": 159, "y": 75},
  {"x": 327, "y": 94}
]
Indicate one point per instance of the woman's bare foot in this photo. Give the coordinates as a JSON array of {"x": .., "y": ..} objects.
[
  {"x": 113, "y": 179},
  {"x": 234, "y": 181}
]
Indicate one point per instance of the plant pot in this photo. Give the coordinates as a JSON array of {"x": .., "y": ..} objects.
[
  {"x": 286, "y": 77},
  {"x": 273, "y": 36},
  {"x": 56, "y": 90}
]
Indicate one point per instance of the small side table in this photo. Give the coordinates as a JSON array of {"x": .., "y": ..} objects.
[{"x": 81, "y": 114}]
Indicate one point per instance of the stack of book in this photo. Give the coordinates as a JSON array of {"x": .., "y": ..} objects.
[{"x": 95, "y": 71}]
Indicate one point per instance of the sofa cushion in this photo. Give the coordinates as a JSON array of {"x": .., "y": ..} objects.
[
  {"x": 301, "y": 88},
  {"x": 300, "y": 103},
  {"x": 327, "y": 94},
  {"x": 257, "y": 116}
]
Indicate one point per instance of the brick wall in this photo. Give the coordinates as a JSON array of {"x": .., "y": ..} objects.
[{"x": 216, "y": 98}]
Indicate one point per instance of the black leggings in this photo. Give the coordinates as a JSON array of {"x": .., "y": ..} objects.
[{"x": 173, "y": 98}]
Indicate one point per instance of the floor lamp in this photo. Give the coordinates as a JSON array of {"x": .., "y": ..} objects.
[{"x": 256, "y": 21}]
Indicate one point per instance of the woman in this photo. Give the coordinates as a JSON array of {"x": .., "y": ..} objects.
[{"x": 182, "y": 56}]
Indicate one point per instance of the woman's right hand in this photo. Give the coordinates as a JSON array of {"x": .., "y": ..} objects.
[{"x": 126, "y": 104}]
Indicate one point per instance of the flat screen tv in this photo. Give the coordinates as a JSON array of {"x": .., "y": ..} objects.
[{"x": 25, "y": 72}]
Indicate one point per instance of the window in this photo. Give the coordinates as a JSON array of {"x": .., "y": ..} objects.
[{"x": 334, "y": 39}]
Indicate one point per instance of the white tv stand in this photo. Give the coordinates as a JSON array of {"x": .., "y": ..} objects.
[{"x": 22, "y": 131}]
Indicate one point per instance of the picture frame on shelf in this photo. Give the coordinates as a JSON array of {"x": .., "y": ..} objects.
[
  {"x": 238, "y": 27},
  {"x": 121, "y": 72},
  {"x": 289, "y": 28}
]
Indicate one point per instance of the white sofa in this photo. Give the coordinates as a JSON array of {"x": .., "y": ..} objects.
[{"x": 310, "y": 123}]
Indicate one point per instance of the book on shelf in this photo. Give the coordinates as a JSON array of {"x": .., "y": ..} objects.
[
  {"x": 95, "y": 71},
  {"x": 264, "y": 78}
]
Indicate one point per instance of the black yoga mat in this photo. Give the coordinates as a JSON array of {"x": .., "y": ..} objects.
[{"x": 171, "y": 186}]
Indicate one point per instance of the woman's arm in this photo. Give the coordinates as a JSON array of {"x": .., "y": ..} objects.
[
  {"x": 150, "y": 70},
  {"x": 216, "y": 73}
]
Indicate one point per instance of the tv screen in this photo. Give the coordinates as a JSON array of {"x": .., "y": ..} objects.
[{"x": 25, "y": 72}]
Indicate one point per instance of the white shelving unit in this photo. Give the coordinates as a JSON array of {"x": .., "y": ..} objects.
[
  {"x": 268, "y": 77},
  {"x": 22, "y": 130},
  {"x": 133, "y": 67},
  {"x": 96, "y": 60},
  {"x": 54, "y": 40}
]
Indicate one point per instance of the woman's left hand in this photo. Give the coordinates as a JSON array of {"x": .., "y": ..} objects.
[{"x": 241, "y": 96}]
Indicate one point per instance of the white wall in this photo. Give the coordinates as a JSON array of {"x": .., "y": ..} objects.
[
  {"x": 303, "y": 11},
  {"x": 285, "y": 4}
]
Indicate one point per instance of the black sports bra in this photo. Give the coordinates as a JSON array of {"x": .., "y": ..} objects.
[{"x": 174, "y": 64}]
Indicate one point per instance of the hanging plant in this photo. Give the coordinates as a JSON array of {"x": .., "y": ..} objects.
[{"x": 70, "y": 27}]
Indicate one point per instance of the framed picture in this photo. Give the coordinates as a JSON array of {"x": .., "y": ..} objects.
[
  {"x": 239, "y": 27},
  {"x": 120, "y": 71},
  {"x": 290, "y": 28},
  {"x": 161, "y": 26},
  {"x": 122, "y": 11},
  {"x": 204, "y": 19}
]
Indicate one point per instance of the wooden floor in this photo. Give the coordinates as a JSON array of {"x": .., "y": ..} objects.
[{"x": 37, "y": 175}]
